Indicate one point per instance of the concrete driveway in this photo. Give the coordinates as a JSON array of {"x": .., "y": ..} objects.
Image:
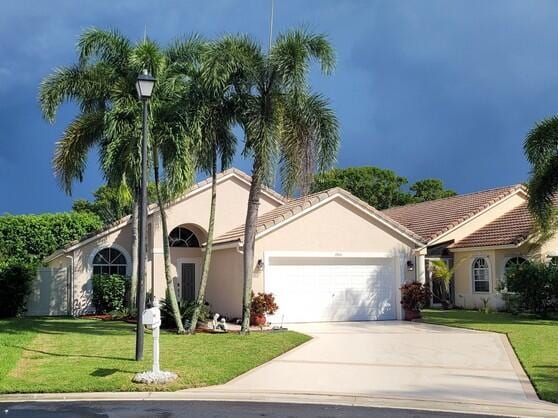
[{"x": 394, "y": 359}]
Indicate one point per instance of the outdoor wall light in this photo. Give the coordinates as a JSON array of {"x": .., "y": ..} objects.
[
  {"x": 144, "y": 85},
  {"x": 260, "y": 264},
  {"x": 410, "y": 265}
]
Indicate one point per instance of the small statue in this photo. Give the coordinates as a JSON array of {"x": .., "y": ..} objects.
[{"x": 219, "y": 324}]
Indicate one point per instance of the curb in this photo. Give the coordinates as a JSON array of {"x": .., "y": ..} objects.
[{"x": 533, "y": 409}]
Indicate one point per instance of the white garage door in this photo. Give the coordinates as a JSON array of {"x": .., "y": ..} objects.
[{"x": 314, "y": 289}]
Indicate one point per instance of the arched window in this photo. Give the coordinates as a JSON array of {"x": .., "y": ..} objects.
[
  {"x": 109, "y": 261},
  {"x": 183, "y": 237},
  {"x": 515, "y": 262},
  {"x": 481, "y": 275}
]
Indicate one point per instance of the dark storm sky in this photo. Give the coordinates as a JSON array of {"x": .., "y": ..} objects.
[{"x": 443, "y": 89}]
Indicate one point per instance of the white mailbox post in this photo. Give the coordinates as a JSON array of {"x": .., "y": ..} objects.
[{"x": 152, "y": 319}]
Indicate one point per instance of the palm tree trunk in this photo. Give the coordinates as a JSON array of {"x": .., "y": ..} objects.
[
  {"x": 208, "y": 247},
  {"x": 135, "y": 254},
  {"x": 166, "y": 251},
  {"x": 249, "y": 243}
]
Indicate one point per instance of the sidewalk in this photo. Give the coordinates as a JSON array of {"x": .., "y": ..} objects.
[{"x": 532, "y": 409}]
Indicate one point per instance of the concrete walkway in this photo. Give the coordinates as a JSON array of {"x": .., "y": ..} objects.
[{"x": 394, "y": 360}]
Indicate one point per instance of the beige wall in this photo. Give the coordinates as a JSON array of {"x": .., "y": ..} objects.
[
  {"x": 225, "y": 284},
  {"x": 232, "y": 196},
  {"x": 464, "y": 296}
]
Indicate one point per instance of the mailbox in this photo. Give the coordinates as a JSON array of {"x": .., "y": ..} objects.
[{"x": 152, "y": 317}]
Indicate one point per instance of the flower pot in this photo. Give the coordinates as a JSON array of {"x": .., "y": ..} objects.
[
  {"x": 411, "y": 315},
  {"x": 258, "y": 320}
]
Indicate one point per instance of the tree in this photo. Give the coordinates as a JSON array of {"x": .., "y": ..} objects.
[
  {"x": 430, "y": 189},
  {"x": 102, "y": 84},
  {"x": 107, "y": 204},
  {"x": 541, "y": 150},
  {"x": 274, "y": 98},
  {"x": 378, "y": 187},
  {"x": 214, "y": 111}
]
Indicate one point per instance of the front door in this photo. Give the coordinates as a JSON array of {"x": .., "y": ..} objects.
[{"x": 188, "y": 282}]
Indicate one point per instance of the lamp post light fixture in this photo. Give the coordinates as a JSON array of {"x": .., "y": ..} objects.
[{"x": 144, "y": 86}]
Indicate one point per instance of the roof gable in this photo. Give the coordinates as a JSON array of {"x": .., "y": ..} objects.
[
  {"x": 153, "y": 208},
  {"x": 295, "y": 207},
  {"x": 433, "y": 218}
]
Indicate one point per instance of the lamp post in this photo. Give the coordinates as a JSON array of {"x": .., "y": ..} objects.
[{"x": 144, "y": 87}]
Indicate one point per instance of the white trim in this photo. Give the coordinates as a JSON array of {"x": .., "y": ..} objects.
[
  {"x": 470, "y": 219},
  {"x": 93, "y": 253},
  {"x": 494, "y": 247},
  {"x": 490, "y": 274},
  {"x": 324, "y": 202}
]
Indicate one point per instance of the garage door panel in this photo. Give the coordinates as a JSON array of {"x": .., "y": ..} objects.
[{"x": 333, "y": 290}]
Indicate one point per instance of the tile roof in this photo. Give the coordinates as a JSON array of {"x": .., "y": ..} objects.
[
  {"x": 512, "y": 228},
  {"x": 431, "y": 219},
  {"x": 293, "y": 207},
  {"x": 153, "y": 207}
]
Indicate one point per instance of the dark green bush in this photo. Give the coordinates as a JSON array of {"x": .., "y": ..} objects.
[
  {"x": 15, "y": 285},
  {"x": 535, "y": 285},
  {"x": 186, "y": 310},
  {"x": 29, "y": 239},
  {"x": 109, "y": 293}
]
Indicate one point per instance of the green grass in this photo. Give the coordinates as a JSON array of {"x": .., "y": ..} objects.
[
  {"x": 534, "y": 340},
  {"x": 76, "y": 355}
]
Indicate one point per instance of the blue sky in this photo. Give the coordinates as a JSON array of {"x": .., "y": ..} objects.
[{"x": 443, "y": 89}]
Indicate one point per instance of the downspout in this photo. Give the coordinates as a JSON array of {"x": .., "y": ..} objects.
[{"x": 71, "y": 295}]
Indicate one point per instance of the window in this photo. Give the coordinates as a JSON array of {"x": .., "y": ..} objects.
[
  {"x": 515, "y": 262},
  {"x": 109, "y": 261},
  {"x": 481, "y": 275},
  {"x": 183, "y": 237}
]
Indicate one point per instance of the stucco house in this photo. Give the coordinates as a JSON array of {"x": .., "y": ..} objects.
[{"x": 326, "y": 257}]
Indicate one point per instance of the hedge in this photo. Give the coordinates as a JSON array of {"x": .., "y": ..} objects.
[
  {"x": 15, "y": 285},
  {"x": 28, "y": 239}
]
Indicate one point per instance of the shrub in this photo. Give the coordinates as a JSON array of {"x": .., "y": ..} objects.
[
  {"x": 15, "y": 285},
  {"x": 536, "y": 286},
  {"x": 262, "y": 304},
  {"x": 414, "y": 296},
  {"x": 109, "y": 293},
  {"x": 186, "y": 310}
]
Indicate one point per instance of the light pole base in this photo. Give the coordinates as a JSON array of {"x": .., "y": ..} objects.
[{"x": 155, "y": 378}]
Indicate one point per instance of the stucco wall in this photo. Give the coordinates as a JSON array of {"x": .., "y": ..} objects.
[
  {"x": 225, "y": 284},
  {"x": 232, "y": 196}
]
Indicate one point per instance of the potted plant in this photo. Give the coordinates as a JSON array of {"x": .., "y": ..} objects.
[
  {"x": 262, "y": 304},
  {"x": 414, "y": 296}
]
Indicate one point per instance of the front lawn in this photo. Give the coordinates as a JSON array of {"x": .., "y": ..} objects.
[
  {"x": 534, "y": 340},
  {"x": 77, "y": 355}
]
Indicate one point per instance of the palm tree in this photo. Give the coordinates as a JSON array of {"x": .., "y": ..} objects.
[
  {"x": 215, "y": 108},
  {"x": 102, "y": 84},
  {"x": 282, "y": 119},
  {"x": 541, "y": 150}
]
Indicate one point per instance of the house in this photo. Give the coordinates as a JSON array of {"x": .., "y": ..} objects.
[{"x": 328, "y": 256}]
